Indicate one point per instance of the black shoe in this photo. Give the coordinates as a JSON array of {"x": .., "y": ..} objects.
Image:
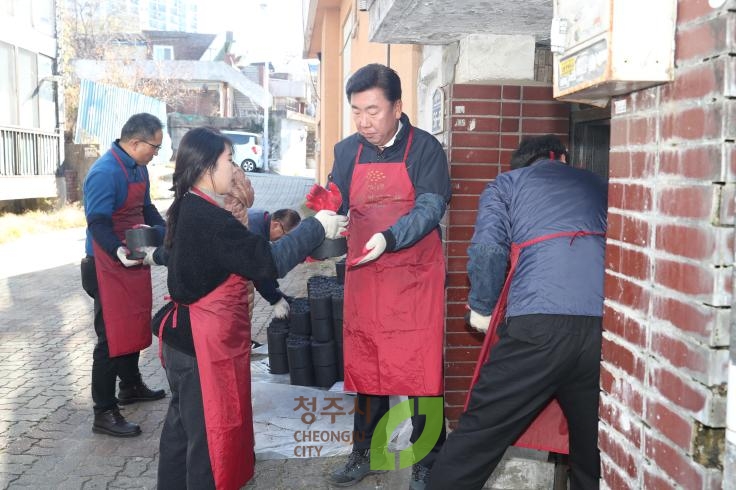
[
  {"x": 138, "y": 392},
  {"x": 419, "y": 477},
  {"x": 112, "y": 423},
  {"x": 357, "y": 468}
]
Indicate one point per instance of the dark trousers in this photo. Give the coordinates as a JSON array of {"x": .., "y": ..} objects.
[
  {"x": 106, "y": 369},
  {"x": 369, "y": 411},
  {"x": 537, "y": 357},
  {"x": 184, "y": 459}
]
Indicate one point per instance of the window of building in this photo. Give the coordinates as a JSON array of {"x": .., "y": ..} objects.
[
  {"x": 9, "y": 115},
  {"x": 162, "y": 53}
]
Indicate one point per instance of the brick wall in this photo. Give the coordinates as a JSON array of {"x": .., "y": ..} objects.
[
  {"x": 669, "y": 260},
  {"x": 486, "y": 125}
]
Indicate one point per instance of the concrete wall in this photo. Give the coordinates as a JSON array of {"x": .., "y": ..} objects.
[{"x": 669, "y": 262}]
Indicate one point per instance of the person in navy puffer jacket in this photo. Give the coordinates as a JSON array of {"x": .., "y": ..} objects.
[{"x": 548, "y": 221}]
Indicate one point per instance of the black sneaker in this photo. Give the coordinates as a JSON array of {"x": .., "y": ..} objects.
[
  {"x": 357, "y": 468},
  {"x": 112, "y": 423},
  {"x": 419, "y": 477},
  {"x": 138, "y": 392}
]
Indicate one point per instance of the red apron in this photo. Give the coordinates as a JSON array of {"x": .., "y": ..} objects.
[
  {"x": 221, "y": 333},
  {"x": 548, "y": 431},
  {"x": 394, "y": 306},
  {"x": 125, "y": 292}
]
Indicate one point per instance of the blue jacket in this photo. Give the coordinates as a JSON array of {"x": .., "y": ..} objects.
[
  {"x": 559, "y": 276},
  {"x": 428, "y": 171},
  {"x": 259, "y": 222},
  {"x": 105, "y": 191}
]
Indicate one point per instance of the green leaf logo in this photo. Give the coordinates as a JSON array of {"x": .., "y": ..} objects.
[{"x": 431, "y": 407}]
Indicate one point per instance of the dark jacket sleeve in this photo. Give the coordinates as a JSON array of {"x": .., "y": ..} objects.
[
  {"x": 424, "y": 217},
  {"x": 269, "y": 290}
]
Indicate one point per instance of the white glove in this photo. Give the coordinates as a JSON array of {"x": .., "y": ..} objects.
[
  {"x": 148, "y": 259},
  {"x": 377, "y": 245},
  {"x": 334, "y": 224},
  {"x": 479, "y": 322},
  {"x": 281, "y": 309},
  {"x": 121, "y": 252}
]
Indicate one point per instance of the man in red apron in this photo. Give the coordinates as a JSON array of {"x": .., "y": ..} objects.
[
  {"x": 548, "y": 220},
  {"x": 395, "y": 185},
  {"x": 117, "y": 198}
]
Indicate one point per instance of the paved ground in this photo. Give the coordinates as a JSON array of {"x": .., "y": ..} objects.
[{"x": 46, "y": 341}]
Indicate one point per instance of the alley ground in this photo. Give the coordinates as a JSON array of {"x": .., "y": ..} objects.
[{"x": 46, "y": 342}]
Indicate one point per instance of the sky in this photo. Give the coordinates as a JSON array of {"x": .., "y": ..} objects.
[{"x": 264, "y": 30}]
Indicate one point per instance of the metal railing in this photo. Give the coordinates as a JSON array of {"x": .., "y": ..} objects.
[{"x": 28, "y": 151}]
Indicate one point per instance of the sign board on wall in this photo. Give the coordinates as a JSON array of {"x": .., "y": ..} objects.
[
  {"x": 604, "y": 48},
  {"x": 438, "y": 111}
]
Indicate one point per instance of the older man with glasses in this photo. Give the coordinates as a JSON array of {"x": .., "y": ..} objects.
[{"x": 117, "y": 198}]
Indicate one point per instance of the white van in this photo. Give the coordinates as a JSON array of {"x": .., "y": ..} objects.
[{"x": 247, "y": 150}]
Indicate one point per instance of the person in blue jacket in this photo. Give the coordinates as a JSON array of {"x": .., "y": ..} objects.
[
  {"x": 548, "y": 220},
  {"x": 117, "y": 198},
  {"x": 273, "y": 226}
]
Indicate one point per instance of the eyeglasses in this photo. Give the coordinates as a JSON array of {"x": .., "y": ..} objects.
[{"x": 155, "y": 147}]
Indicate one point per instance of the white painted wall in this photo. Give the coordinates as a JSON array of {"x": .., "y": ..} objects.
[{"x": 485, "y": 58}]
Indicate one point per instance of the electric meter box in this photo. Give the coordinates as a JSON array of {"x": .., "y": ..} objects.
[{"x": 604, "y": 48}]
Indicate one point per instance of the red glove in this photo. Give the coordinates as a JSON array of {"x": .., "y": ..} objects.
[{"x": 320, "y": 198}]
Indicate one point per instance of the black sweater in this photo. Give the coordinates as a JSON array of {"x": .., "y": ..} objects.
[{"x": 209, "y": 245}]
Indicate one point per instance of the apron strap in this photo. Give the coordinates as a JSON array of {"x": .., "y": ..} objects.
[{"x": 175, "y": 311}]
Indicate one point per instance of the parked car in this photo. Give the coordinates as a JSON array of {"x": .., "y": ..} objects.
[{"x": 247, "y": 150}]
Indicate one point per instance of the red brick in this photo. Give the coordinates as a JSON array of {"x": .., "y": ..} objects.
[
  {"x": 631, "y": 165},
  {"x": 670, "y": 424},
  {"x": 641, "y": 130},
  {"x": 474, "y": 187},
  {"x": 619, "y": 453},
  {"x": 460, "y": 233},
  {"x": 470, "y": 123},
  {"x": 457, "y": 384},
  {"x": 699, "y": 82},
  {"x": 545, "y": 109},
  {"x": 698, "y": 360},
  {"x": 462, "y": 354},
  {"x": 463, "y": 91},
  {"x": 691, "y": 317},
  {"x": 702, "y": 162},
  {"x": 674, "y": 463},
  {"x": 457, "y": 279},
  {"x": 623, "y": 358},
  {"x": 693, "y": 9},
  {"x": 543, "y": 126},
  {"x": 619, "y": 421},
  {"x": 629, "y": 329},
  {"x": 691, "y": 201},
  {"x": 619, "y": 129},
  {"x": 460, "y": 369},
  {"x": 510, "y": 125},
  {"x": 683, "y": 392},
  {"x": 511, "y": 109},
  {"x": 455, "y": 398},
  {"x": 486, "y": 172},
  {"x": 457, "y": 295},
  {"x": 632, "y": 197},
  {"x": 536, "y": 93},
  {"x": 475, "y": 140},
  {"x": 702, "y": 40},
  {"x": 726, "y": 202},
  {"x": 510, "y": 141},
  {"x": 622, "y": 388},
  {"x": 697, "y": 241},
  {"x": 694, "y": 279},
  {"x": 457, "y": 249},
  {"x": 621, "y": 290},
  {"x": 629, "y": 262},
  {"x": 453, "y": 414},
  {"x": 475, "y": 108},
  {"x": 693, "y": 123},
  {"x": 511, "y": 92},
  {"x": 457, "y": 310},
  {"x": 613, "y": 477},
  {"x": 474, "y": 156},
  {"x": 657, "y": 482},
  {"x": 462, "y": 218},
  {"x": 465, "y": 339},
  {"x": 457, "y": 264},
  {"x": 634, "y": 231}
]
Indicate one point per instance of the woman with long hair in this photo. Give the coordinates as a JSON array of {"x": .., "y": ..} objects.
[{"x": 207, "y": 438}]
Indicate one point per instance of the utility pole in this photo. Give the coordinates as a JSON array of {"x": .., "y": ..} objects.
[{"x": 266, "y": 147}]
